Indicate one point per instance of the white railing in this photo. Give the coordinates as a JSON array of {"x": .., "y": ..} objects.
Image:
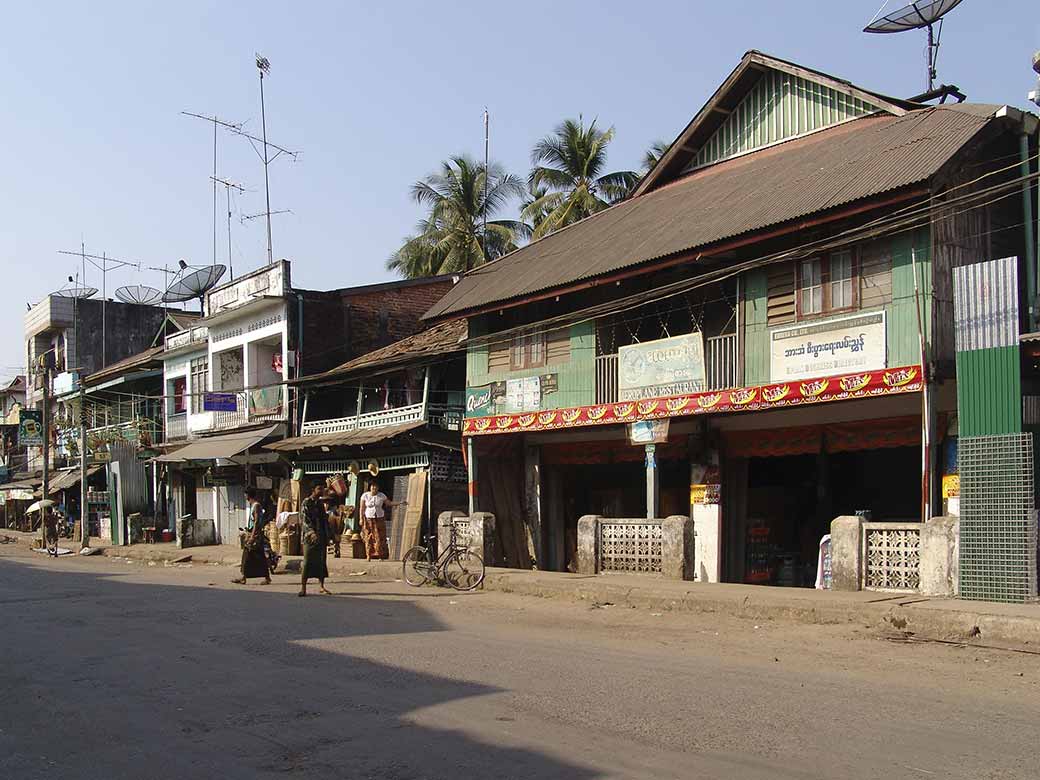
[
  {"x": 177, "y": 426},
  {"x": 398, "y": 416},
  {"x": 891, "y": 556},
  {"x": 447, "y": 417},
  {"x": 244, "y": 415},
  {"x": 721, "y": 368}
]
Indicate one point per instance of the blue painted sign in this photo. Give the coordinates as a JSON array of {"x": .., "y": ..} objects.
[{"x": 220, "y": 402}]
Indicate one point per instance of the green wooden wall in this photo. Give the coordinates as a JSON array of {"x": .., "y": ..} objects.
[
  {"x": 901, "y": 319},
  {"x": 779, "y": 106},
  {"x": 577, "y": 377}
]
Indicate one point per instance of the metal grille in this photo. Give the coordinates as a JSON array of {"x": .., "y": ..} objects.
[
  {"x": 998, "y": 526},
  {"x": 630, "y": 547},
  {"x": 720, "y": 355},
  {"x": 892, "y": 556},
  {"x": 447, "y": 466},
  {"x": 463, "y": 532}
]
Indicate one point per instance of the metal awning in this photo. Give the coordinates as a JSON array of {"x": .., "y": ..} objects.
[
  {"x": 215, "y": 447},
  {"x": 352, "y": 438},
  {"x": 64, "y": 480}
]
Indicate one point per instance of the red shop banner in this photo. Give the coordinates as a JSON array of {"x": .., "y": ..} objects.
[{"x": 906, "y": 379}]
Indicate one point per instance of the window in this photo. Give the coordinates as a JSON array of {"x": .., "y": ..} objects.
[
  {"x": 827, "y": 284},
  {"x": 179, "y": 386},
  {"x": 199, "y": 383},
  {"x": 527, "y": 351}
]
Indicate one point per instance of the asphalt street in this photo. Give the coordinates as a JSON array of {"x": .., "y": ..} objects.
[{"x": 114, "y": 669}]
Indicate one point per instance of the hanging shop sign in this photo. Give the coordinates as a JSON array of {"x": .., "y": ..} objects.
[
  {"x": 826, "y": 348},
  {"x": 550, "y": 383},
  {"x": 745, "y": 399},
  {"x": 220, "y": 402},
  {"x": 30, "y": 428},
  {"x": 660, "y": 368},
  {"x": 648, "y": 431},
  {"x": 705, "y": 493}
]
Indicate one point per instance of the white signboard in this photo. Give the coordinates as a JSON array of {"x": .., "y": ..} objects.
[
  {"x": 839, "y": 346},
  {"x": 524, "y": 395},
  {"x": 269, "y": 281},
  {"x": 656, "y": 369}
]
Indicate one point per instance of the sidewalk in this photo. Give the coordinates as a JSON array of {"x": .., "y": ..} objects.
[{"x": 925, "y": 617}]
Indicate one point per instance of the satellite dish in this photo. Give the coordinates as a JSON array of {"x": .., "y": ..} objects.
[
  {"x": 76, "y": 292},
  {"x": 194, "y": 285},
  {"x": 917, "y": 15},
  {"x": 139, "y": 293}
]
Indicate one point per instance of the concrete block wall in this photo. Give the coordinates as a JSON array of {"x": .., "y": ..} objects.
[{"x": 678, "y": 545}]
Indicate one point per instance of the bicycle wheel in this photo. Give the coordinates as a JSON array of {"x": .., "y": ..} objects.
[
  {"x": 464, "y": 570},
  {"x": 417, "y": 568}
]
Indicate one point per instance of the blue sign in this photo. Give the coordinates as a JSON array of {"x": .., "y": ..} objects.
[{"x": 220, "y": 402}]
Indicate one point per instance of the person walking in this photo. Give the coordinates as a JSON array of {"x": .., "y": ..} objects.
[
  {"x": 254, "y": 560},
  {"x": 373, "y": 521},
  {"x": 315, "y": 540}
]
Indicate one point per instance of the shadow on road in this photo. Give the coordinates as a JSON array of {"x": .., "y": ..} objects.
[{"x": 104, "y": 677}]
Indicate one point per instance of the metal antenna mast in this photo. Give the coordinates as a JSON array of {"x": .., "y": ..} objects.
[
  {"x": 101, "y": 262},
  {"x": 487, "y": 175},
  {"x": 216, "y": 123},
  {"x": 228, "y": 186},
  {"x": 264, "y": 66}
]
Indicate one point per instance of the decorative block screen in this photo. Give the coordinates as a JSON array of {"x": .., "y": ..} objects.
[
  {"x": 892, "y": 556},
  {"x": 630, "y": 547},
  {"x": 998, "y": 525}
]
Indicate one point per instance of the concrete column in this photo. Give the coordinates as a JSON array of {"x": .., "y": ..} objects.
[
  {"x": 588, "y": 547},
  {"x": 533, "y": 503},
  {"x": 707, "y": 525},
  {"x": 444, "y": 523},
  {"x": 482, "y": 536},
  {"x": 846, "y": 553},
  {"x": 471, "y": 470},
  {"x": 677, "y": 548},
  {"x": 652, "y": 482},
  {"x": 940, "y": 556}
]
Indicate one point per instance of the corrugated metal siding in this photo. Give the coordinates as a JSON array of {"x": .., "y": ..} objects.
[
  {"x": 778, "y": 107},
  {"x": 837, "y": 166},
  {"x": 904, "y": 346},
  {"x": 756, "y": 332},
  {"x": 989, "y": 382},
  {"x": 133, "y": 477}
]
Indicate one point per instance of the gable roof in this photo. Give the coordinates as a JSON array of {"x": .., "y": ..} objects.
[
  {"x": 141, "y": 360},
  {"x": 442, "y": 339},
  {"x": 749, "y": 73},
  {"x": 854, "y": 161}
]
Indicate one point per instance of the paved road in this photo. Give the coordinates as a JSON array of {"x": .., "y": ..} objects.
[{"x": 171, "y": 672}]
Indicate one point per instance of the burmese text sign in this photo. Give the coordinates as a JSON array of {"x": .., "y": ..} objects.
[
  {"x": 661, "y": 368},
  {"x": 837, "y": 346}
]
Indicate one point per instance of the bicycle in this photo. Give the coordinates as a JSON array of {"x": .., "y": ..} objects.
[{"x": 457, "y": 565}]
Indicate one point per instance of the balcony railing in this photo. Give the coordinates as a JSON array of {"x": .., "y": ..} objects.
[
  {"x": 446, "y": 416},
  {"x": 253, "y": 406},
  {"x": 177, "y": 427},
  {"x": 721, "y": 368}
]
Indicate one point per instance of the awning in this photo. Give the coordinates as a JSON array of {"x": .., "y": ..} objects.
[
  {"x": 214, "y": 447},
  {"x": 352, "y": 438},
  {"x": 64, "y": 480}
]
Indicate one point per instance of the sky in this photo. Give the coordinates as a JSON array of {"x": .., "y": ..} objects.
[{"x": 374, "y": 96}]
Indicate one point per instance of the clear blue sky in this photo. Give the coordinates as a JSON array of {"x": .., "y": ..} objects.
[{"x": 375, "y": 94}]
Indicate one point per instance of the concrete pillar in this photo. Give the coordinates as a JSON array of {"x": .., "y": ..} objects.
[
  {"x": 677, "y": 548},
  {"x": 652, "y": 482},
  {"x": 444, "y": 523},
  {"x": 482, "y": 536},
  {"x": 846, "y": 552},
  {"x": 588, "y": 544},
  {"x": 533, "y": 504},
  {"x": 940, "y": 556},
  {"x": 707, "y": 525},
  {"x": 471, "y": 470}
]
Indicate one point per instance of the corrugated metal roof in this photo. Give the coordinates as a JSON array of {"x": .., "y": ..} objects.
[
  {"x": 151, "y": 355},
  {"x": 352, "y": 438},
  {"x": 859, "y": 159},
  {"x": 442, "y": 339},
  {"x": 216, "y": 447}
]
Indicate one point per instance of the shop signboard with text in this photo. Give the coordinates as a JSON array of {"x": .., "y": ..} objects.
[
  {"x": 829, "y": 347},
  {"x": 661, "y": 368}
]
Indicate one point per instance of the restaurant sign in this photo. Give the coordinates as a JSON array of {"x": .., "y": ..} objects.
[
  {"x": 655, "y": 369},
  {"x": 815, "y": 349}
]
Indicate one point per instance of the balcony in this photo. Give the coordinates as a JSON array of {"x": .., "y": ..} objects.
[
  {"x": 177, "y": 427},
  {"x": 721, "y": 368},
  {"x": 253, "y": 406},
  {"x": 443, "y": 416}
]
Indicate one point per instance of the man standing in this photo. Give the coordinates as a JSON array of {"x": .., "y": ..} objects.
[{"x": 373, "y": 521}]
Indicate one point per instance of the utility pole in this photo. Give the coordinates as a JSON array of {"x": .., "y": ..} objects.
[
  {"x": 84, "y": 514},
  {"x": 487, "y": 174}
]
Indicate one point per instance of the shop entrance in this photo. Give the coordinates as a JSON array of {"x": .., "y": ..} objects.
[{"x": 778, "y": 506}]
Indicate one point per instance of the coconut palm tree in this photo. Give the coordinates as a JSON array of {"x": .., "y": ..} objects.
[
  {"x": 569, "y": 165},
  {"x": 652, "y": 155},
  {"x": 451, "y": 238}
]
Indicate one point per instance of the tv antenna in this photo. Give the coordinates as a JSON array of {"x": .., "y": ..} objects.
[
  {"x": 228, "y": 186},
  {"x": 927, "y": 14},
  {"x": 101, "y": 262},
  {"x": 195, "y": 285}
]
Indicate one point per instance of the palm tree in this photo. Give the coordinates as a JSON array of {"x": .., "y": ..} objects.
[
  {"x": 534, "y": 214},
  {"x": 652, "y": 155},
  {"x": 569, "y": 166},
  {"x": 451, "y": 239}
]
